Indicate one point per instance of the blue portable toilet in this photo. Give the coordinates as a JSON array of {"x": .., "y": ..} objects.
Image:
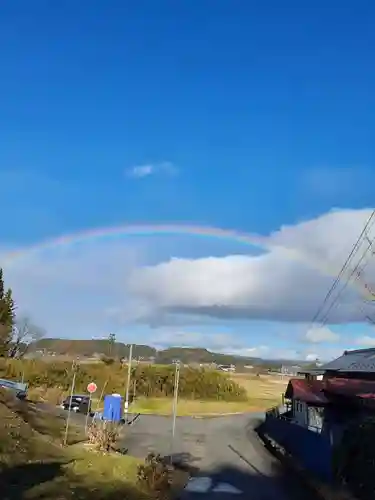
[{"x": 112, "y": 408}]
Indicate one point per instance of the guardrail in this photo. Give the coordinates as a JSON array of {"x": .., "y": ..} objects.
[{"x": 18, "y": 387}]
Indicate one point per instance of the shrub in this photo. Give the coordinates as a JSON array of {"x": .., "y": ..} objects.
[
  {"x": 150, "y": 381},
  {"x": 103, "y": 435},
  {"x": 154, "y": 475},
  {"x": 107, "y": 360}
]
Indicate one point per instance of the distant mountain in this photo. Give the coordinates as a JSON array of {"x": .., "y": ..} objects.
[
  {"x": 88, "y": 348},
  {"x": 187, "y": 355}
]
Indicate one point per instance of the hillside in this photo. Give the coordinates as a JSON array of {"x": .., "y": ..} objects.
[
  {"x": 187, "y": 355},
  {"x": 33, "y": 465},
  {"x": 88, "y": 348}
]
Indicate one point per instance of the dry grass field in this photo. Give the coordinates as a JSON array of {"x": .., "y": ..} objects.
[
  {"x": 263, "y": 391},
  {"x": 186, "y": 407}
]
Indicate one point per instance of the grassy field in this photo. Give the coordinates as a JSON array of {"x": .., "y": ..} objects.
[
  {"x": 163, "y": 406},
  {"x": 34, "y": 465},
  {"x": 263, "y": 392}
]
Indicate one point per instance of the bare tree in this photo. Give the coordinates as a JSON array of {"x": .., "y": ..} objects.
[{"x": 24, "y": 333}]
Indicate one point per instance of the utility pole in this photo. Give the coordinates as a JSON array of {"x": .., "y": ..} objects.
[
  {"x": 175, "y": 400},
  {"x": 74, "y": 368},
  {"x": 128, "y": 382}
]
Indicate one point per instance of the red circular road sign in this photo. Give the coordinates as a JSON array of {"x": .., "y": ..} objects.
[{"x": 91, "y": 387}]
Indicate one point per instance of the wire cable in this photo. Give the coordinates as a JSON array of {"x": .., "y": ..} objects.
[
  {"x": 352, "y": 254},
  {"x": 354, "y": 272}
]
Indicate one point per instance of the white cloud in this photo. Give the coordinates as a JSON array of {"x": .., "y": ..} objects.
[
  {"x": 366, "y": 341},
  {"x": 69, "y": 290},
  {"x": 318, "y": 335},
  {"x": 93, "y": 287},
  {"x": 287, "y": 283},
  {"x": 141, "y": 170},
  {"x": 145, "y": 170},
  {"x": 311, "y": 356}
]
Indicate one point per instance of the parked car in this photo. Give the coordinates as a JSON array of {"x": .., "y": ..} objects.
[
  {"x": 21, "y": 395},
  {"x": 78, "y": 404}
]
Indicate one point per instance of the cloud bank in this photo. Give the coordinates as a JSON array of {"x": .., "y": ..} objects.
[
  {"x": 275, "y": 286},
  {"x": 99, "y": 286}
]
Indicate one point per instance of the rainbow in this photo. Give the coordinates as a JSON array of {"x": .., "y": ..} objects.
[
  {"x": 138, "y": 230},
  {"x": 166, "y": 230}
]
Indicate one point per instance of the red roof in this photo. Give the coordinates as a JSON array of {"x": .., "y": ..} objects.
[
  {"x": 309, "y": 391},
  {"x": 350, "y": 387}
]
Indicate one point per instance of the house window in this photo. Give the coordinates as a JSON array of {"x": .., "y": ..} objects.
[
  {"x": 300, "y": 413},
  {"x": 315, "y": 417},
  {"x": 299, "y": 406}
]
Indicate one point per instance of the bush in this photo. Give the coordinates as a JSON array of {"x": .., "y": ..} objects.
[
  {"x": 103, "y": 435},
  {"x": 154, "y": 475},
  {"x": 107, "y": 360},
  {"x": 150, "y": 380}
]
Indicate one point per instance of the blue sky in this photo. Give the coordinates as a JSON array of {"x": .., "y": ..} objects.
[{"x": 245, "y": 115}]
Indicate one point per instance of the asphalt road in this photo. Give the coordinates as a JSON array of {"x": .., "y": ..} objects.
[
  {"x": 228, "y": 458},
  {"x": 224, "y": 453}
]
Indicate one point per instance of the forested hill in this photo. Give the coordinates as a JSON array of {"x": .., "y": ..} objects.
[{"x": 89, "y": 348}]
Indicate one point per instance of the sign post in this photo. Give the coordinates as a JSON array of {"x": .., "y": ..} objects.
[
  {"x": 74, "y": 369},
  {"x": 175, "y": 401},
  {"x": 91, "y": 388},
  {"x": 128, "y": 382}
]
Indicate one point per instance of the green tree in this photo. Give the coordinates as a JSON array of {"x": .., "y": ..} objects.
[
  {"x": 111, "y": 344},
  {"x": 7, "y": 317}
]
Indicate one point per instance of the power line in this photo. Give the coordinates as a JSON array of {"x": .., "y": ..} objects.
[
  {"x": 346, "y": 264},
  {"x": 354, "y": 272}
]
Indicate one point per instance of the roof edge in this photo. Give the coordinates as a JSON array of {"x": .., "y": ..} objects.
[
  {"x": 359, "y": 351},
  {"x": 312, "y": 371}
]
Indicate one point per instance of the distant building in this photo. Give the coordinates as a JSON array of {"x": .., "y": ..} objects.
[
  {"x": 210, "y": 366},
  {"x": 290, "y": 371},
  {"x": 227, "y": 368}
]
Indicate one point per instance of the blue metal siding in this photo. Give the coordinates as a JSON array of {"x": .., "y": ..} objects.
[{"x": 312, "y": 449}]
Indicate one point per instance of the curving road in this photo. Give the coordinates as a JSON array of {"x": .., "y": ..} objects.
[
  {"x": 228, "y": 458},
  {"x": 224, "y": 453}
]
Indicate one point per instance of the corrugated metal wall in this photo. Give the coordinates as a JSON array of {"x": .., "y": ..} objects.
[{"x": 312, "y": 449}]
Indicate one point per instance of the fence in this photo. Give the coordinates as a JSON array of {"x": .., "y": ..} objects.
[
  {"x": 313, "y": 450},
  {"x": 17, "y": 387}
]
